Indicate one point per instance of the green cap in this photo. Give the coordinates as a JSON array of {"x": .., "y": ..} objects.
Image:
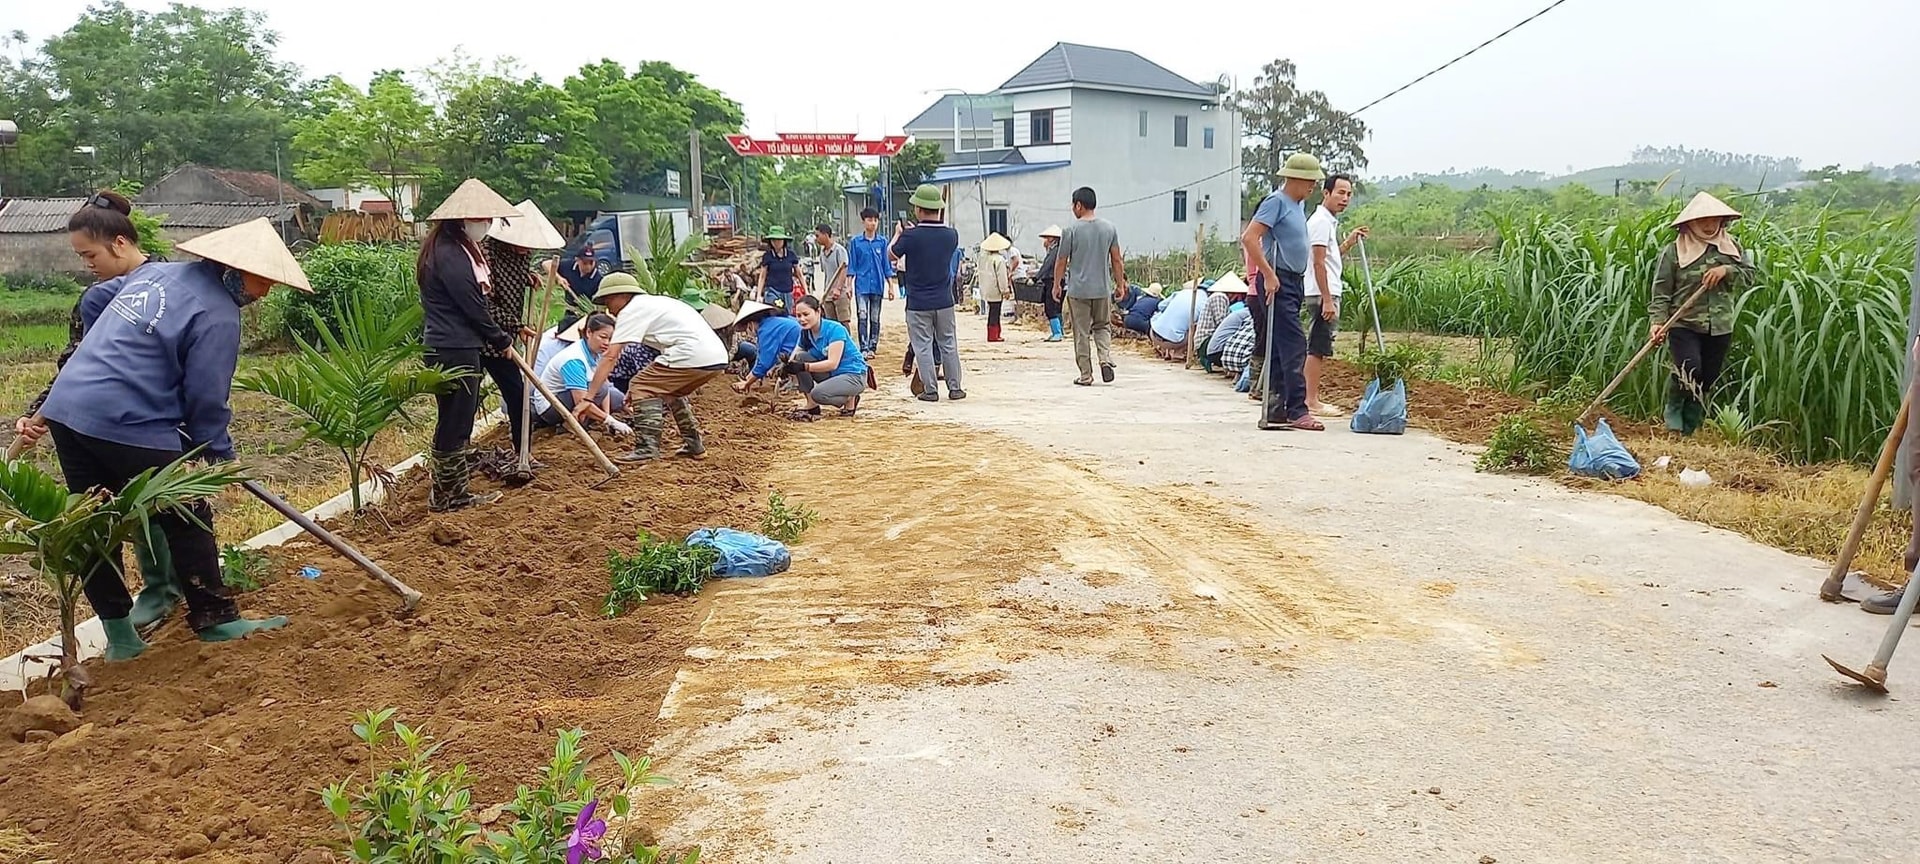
[
  {"x": 1302, "y": 166},
  {"x": 616, "y": 284},
  {"x": 927, "y": 197}
]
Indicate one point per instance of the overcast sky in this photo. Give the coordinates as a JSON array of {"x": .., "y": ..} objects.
[{"x": 1582, "y": 86}]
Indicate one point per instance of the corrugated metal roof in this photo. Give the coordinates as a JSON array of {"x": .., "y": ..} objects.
[
  {"x": 203, "y": 214},
  {"x": 37, "y": 215},
  {"x": 1066, "y": 63},
  {"x": 957, "y": 173},
  {"x": 940, "y": 115}
]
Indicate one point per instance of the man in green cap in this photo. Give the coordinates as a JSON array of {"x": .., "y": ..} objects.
[
  {"x": 1276, "y": 244},
  {"x": 927, "y": 280}
]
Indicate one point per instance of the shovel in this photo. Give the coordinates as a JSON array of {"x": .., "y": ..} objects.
[
  {"x": 1266, "y": 363},
  {"x": 1646, "y": 349},
  {"x": 573, "y": 424},
  {"x": 1366, "y": 270},
  {"x": 1830, "y": 590},
  {"x": 526, "y": 393},
  {"x": 1874, "y": 677}
]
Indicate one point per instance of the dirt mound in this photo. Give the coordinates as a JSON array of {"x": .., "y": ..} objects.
[
  {"x": 231, "y": 741},
  {"x": 1436, "y": 406}
]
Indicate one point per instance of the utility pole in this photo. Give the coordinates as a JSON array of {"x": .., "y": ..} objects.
[{"x": 698, "y": 214}]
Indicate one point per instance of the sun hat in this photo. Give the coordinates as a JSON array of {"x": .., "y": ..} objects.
[
  {"x": 1154, "y": 289},
  {"x": 1228, "y": 283},
  {"x": 1052, "y": 231},
  {"x": 717, "y": 316},
  {"x": 473, "y": 200},
  {"x": 616, "y": 284},
  {"x": 572, "y": 333},
  {"x": 926, "y": 196},
  {"x": 749, "y": 309},
  {"x": 252, "y": 247},
  {"x": 1704, "y": 206},
  {"x": 1302, "y": 166},
  {"x": 529, "y": 230},
  {"x": 995, "y": 243},
  {"x": 777, "y": 233}
]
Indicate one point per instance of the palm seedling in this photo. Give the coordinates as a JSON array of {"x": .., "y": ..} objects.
[
  {"x": 62, "y": 532},
  {"x": 351, "y": 387}
]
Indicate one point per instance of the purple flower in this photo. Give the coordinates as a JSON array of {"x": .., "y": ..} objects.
[{"x": 584, "y": 845}]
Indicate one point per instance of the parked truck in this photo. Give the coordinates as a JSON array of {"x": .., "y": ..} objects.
[{"x": 613, "y": 234}]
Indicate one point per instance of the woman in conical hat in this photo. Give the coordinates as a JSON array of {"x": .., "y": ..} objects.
[
  {"x": 454, "y": 280},
  {"x": 1702, "y": 255},
  {"x": 148, "y": 384},
  {"x": 509, "y": 253}
]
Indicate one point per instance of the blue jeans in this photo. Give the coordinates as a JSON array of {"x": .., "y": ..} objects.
[
  {"x": 867, "y": 307},
  {"x": 1287, "y": 351},
  {"x": 778, "y": 298}
]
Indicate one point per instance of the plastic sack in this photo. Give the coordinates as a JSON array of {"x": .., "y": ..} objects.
[
  {"x": 1381, "y": 412},
  {"x": 743, "y": 554},
  {"x": 1601, "y": 455},
  {"x": 1246, "y": 380}
]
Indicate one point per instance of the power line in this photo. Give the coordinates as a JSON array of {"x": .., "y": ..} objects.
[
  {"x": 1497, "y": 37},
  {"x": 1234, "y": 167}
]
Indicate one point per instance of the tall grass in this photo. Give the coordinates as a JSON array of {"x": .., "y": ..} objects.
[{"x": 1818, "y": 338}]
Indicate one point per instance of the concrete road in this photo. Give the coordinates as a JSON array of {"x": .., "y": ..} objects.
[{"x": 1066, "y": 624}]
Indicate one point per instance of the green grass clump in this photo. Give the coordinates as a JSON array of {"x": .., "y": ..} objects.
[
  {"x": 1520, "y": 446},
  {"x": 657, "y": 567},
  {"x": 243, "y": 568},
  {"x": 786, "y": 522}
]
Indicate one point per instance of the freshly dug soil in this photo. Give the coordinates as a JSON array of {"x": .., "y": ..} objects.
[
  {"x": 230, "y": 741},
  {"x": 1467, "y": 416}
]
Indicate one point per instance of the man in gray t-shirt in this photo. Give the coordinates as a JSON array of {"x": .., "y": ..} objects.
[
  {"x": 836, "y": 290},
  {"x": 1089, "y": 275}
]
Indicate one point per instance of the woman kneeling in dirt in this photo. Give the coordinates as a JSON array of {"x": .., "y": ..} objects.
[
  {"x": 150, "y": 383},
  {"x": 568, "y": 373},
  {"x": 768, "y": 338},
  {"x": 827, "y": 363},
  {"x": 691, "y": 354}
]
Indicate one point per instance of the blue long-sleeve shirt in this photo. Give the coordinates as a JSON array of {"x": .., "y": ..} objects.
[
  {"x": 157, "y": 361},
  {"x": 870, "y": 265},
  {"x": 778, "y": 335}
]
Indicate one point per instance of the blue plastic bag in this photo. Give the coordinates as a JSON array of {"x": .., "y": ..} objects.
[
  {"x": 1381, "y": 412},
  {"x": 743, "y": 554},
  {"x": 1601, "y": 455}
]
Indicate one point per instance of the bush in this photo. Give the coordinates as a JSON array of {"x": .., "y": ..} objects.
[
  {"x": 1401, "y": 360},
  {"x": 243, "y": 568},
  {"x": 1518, "y": 446},
  {"x": 52, "y": 283},
  {"x": 347, "y": 271},
  {"x": 786, "y": 522},
  {"x": 413, "y": 813},
  {"x": 657, "y": 567}
]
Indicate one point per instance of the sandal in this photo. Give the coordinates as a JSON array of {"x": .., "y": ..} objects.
[
  {"x": 853, "y": 404},
  {"x": 1307, "y": 423},
  {"x": 1084, "y": 381}
]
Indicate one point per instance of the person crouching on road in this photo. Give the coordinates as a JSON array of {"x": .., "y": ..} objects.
[
  {"x": 774, "y": 338},
  {"x": 691, "y": 354},
  {"x": 148, "y": 385},
  {"x": 569, "y": 372},
  {"x": 827, "y": 364},
  {"x": 452, "y": 273}
]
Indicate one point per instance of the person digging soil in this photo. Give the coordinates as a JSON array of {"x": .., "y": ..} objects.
[
  {"x": 691, "y": 354},
  {"x": 156, "y": 371}
]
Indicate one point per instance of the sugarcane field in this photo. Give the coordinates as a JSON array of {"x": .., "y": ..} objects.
[{"x": 663, "y": 435}]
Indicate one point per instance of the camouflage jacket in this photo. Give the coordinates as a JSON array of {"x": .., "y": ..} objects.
[{"x": 1712, "y": 314}]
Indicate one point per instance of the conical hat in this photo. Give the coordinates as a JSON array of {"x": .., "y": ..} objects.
[
  {"x": 1228, "y": 283},
  {"x": 473, "y": 200},
  {"x": 1051, "y": 231},
  {"x": 252, "y": 247},
  {"x": 1153, "y": 289},
  {"x": 1703, "y": 206},
  {"x": 717, "y": 316},
  {"x": 751, "y": 307},
  {"x": 529, "y": 230},
  {"x": 995, "y": 243}
]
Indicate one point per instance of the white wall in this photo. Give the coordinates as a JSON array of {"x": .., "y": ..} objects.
[
  {"x": 1033, "y": 199},
  {"x": 355, "y": 199},
  {"x": 1110, "y": 155}
]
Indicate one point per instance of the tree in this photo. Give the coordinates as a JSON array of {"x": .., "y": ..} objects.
[
  {"x": 795, "y": 192},
  {"x": 641, "y": 129},
  {"x": 915, "y": 163},
  {"x": 525, "y": 138},
  {"x": 1281, "y": 119},
  {"x": 382, "y": 138}
]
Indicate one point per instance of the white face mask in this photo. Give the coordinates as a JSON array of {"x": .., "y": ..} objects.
[{"x": 476, "y": 231}]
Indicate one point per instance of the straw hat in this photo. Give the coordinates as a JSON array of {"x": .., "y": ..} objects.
[
  {"x": 1154, "y": 289},
  {"x": 750, "y": 309},
  {"x": 717, "y": 316},
  {"x": 616, "y": 284},
  {"x": 572, "y": 333},
  {"x": 1704, "y": 206},
  {"x": 1229, "y": 283},
  {"x": 927, "y": 197},
  {"x": 473, "y": 200},
  {"x": 1052, "y": 231},
  {"x": 995, "y": 243},
  {"x": 253, "y": 247},
  {"x": 1302, "y": 166},
  {"x": 529, "y": 230}
]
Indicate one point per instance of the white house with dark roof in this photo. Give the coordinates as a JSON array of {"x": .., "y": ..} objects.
[{"x": 1161, "y": 151}]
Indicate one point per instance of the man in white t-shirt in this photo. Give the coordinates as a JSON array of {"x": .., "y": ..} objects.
[
  {"x": 691, "y": 354},
  {"x": 1323, "y": 282}
]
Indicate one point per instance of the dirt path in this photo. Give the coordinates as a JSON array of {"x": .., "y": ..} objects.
[{"x": 1089, "y": 625}]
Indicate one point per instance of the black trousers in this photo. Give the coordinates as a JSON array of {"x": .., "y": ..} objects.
[
  {"x": 1257, "y": 307},
  {"x": 1047, "y": 302},
  {"x": 1698, "y": 360},
  {"x": 91, "y": 463},
  {"x": 513, "y": 388},
  {"x": 993, "y": 312},
  {"x": 453, "y": 421}
]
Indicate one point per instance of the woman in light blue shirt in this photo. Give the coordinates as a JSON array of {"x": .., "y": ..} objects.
[{"x": 827, "y": 364}]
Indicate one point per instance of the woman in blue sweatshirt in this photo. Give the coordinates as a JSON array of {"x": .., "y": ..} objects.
[
  {"x": 149, "y": 383},
  {"x": 455, "y": 279},
  {"x": 774, "y": 336}
]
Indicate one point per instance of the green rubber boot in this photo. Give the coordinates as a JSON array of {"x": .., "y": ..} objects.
[
  {"x": 240, "y": 627},
  {"x": 160, "y": 592},
  {"x": 649, "y": 419},
  {"x": 1676, "y": 411},
  {"x": 691, "y": 446},
  {"x": 123, "y": 642},
  {"x": 1691, "y": 417}
]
